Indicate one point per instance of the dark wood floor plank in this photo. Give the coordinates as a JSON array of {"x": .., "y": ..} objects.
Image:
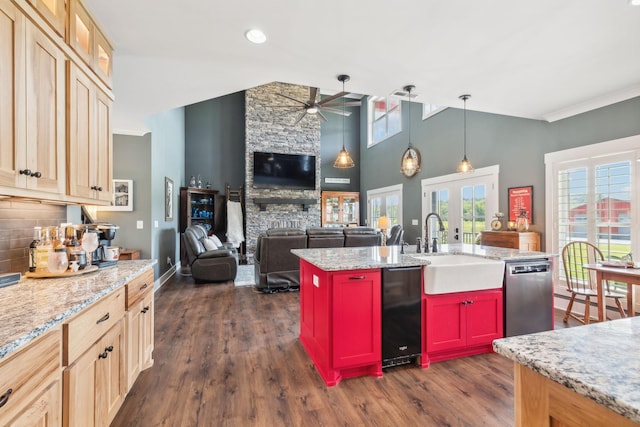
[{"x": 228, "y": 356}]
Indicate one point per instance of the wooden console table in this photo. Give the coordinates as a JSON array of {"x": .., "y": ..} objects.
[
  {"x": 525, "y": 241},
  {"x": 128, "y": 254}
]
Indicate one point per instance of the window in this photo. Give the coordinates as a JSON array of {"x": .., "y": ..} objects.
[
  {"x": 429, "y": 110},
  {"x": 593, "y": 197},
  {"x": 387, "y": 202},
  {"x": 385, "y": 118}
]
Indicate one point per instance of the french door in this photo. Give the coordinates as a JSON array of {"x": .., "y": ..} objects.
[{"x": 466, "y": 204}]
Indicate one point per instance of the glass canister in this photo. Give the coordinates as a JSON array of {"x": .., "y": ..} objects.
[
  {"x": 522, "y": 222},
  {"x": 58, "y": 261}
]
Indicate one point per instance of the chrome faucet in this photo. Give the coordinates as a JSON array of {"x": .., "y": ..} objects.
[{"x": 434, "y": 247}]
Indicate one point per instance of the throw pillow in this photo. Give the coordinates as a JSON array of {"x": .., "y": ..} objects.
[
  {"x": 215, "y": 240},
  {"x": 209, "y": 244}
]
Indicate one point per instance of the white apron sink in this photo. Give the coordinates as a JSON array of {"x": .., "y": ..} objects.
[{"x": 461, "y": 273}]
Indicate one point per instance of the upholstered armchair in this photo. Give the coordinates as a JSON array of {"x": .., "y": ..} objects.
[{"x": 208, "y": 265}]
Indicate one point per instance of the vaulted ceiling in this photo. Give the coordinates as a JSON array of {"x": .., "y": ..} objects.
[{"x": 542, "y": 59}]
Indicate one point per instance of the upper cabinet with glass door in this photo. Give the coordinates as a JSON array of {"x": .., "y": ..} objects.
[
  {"x": 53, "y": 12},
  {"x": 89, "y": 42}
]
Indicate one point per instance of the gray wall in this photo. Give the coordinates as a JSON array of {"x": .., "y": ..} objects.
[
  {"x": 167, "y": 160},
  {"x": 132, "y": 160},
  {"x": 516, "y": 145},
  {"x": 331, "y": 134},
  {"x": 214, "y": 141}
]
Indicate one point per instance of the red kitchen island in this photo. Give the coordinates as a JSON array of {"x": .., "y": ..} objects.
[{"x": 340, "y": 308}]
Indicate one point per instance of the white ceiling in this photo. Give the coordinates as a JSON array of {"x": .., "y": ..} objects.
[{"x": 541, "y": 59}]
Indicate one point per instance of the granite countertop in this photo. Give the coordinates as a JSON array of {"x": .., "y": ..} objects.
[
  {"x": 34, "y": 306},
  {"x": 336, "y": 259},
  {"x": 599, "y": 361}
]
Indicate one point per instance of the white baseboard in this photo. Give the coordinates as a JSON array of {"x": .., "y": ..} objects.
[{"x": 164, "y": 278}]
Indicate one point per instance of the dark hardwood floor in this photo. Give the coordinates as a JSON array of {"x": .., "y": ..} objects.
[{"x": 227, "y": 356}]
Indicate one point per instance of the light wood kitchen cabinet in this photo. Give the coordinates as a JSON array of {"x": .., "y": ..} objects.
[
  {"x": 525, "y": 241},
  {"x": 33, "y": 100},
  {"x": 94, "y": 353},
  {"x": 95, "y": 383},
  {"x": 90, "y": 143},
  {"x": 89, "y": 42},
  {"x": 30, "y": 384},
  {"x": 139, "y": 322},
  {"x": 340, "y": 208},
  {"x": 54, "y": 12}
]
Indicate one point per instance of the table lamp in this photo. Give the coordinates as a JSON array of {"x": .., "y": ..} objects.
[{"x": 383, "y": 225}]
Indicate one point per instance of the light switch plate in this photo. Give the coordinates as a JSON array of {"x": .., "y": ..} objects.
[
  {"x": 414, "y": 222},
  {"x": 139, "y": 225},
  {"x": 155, "y": 223},
  {"x": 316, "y": 281}
]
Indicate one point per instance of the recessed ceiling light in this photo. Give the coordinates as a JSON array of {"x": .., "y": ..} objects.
[
  {"x": 634, "y": 2},
  {"x": 255, "y": 36}
]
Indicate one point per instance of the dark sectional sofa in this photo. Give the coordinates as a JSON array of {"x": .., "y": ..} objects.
[{"x": 277, "y": 269}]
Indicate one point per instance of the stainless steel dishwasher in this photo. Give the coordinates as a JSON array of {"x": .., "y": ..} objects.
[{"x": 528, "y": 296}]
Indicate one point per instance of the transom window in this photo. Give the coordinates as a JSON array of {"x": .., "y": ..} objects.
[
  {"x": 385, "y": 118},
  {"x": 429, "y": 110}
]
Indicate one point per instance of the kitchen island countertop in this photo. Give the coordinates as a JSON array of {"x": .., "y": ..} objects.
[
  {"x": 336, "y": 259},
  {"x": 599, "y": 361},
  {"x": 34, "y": 306}
]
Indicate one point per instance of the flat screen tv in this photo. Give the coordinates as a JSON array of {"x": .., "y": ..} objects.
[{"x": 276, "y": 170}]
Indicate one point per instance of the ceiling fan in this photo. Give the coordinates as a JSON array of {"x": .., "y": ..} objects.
[{"x": 317, "y": 106}]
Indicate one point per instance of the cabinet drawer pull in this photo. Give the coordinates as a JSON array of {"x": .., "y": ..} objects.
[
  {"x": 103, "y": 355},
  {"x": 357, "y": 277},
  {"x": 103, "y": 319},
  {"x": 5, "y": 397},
  {"x": 144, "y": 310},
  {"x": 143, "y": 286}
]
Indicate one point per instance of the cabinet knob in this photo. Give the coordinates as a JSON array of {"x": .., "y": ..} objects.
[
  {"x": 25, "y": 172},
  {"x": 103, "y": 355},
  {"x": 5, "y": 397},
  {"x": 145, "y": 309},
  {"x": 36, "y": 174},
  {"x": 464, "y": 302},
  {"x": 109, "y": 349},
  {"x": 470, "y": 301}
]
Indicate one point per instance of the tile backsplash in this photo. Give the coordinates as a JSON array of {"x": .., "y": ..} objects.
[{"x": 17, "y": 219}]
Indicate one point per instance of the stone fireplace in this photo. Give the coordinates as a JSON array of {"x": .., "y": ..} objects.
[{"x": 271, "y": 129}]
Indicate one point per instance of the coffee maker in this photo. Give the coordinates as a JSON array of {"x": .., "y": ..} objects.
[{"x": 106, "y": 233}]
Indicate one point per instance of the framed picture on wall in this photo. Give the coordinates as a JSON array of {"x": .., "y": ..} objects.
[
  {"x": 521, "y": 198},
  {"x": 168, "y": 199},
  {"x": 122, "y": 199}
]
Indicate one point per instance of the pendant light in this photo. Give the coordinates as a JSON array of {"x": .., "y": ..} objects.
[
  {"x": 410, "y": 161},
  {"x": 465, "y": 164},
  {"x": 344, "y": 160}
]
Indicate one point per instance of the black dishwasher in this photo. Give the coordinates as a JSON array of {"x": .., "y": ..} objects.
[{"x": 401, "y": 318}]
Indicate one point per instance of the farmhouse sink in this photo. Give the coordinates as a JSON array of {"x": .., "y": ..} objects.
[{"x": 461, "y": 273}]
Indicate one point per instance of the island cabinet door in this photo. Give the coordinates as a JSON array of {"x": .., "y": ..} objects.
[
  {"x": 356, "y": 318},
  {"x": 445, "y": 322},
  {"x": 484, "y": 317}
]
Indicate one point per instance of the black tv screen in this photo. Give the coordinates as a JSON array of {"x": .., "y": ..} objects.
[{"x": 276, "y": 170}]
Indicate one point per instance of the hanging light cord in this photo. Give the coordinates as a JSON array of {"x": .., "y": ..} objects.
[
  {"x": 409, "y": 116},
  {"x": 344, "y": 109},
  {"x": 465, "y": 127}
]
